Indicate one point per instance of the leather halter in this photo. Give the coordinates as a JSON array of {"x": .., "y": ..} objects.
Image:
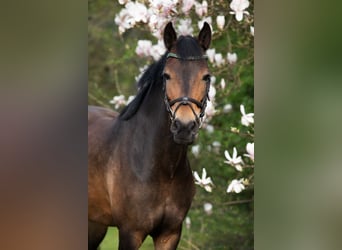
[{"x": 185, "y": 100}]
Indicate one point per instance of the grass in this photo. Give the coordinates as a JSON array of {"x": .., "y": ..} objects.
[{"x": 111, "y": 241}]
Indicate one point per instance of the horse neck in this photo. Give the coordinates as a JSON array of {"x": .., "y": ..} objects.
[{"x": 152, "y": 130}]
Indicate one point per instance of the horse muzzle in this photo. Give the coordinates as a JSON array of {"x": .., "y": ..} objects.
[{"x": 184, "y": 133}]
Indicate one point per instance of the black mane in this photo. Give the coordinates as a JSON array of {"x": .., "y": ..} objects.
[
  {"x": 152, "y": 76},
  {"x": 186, "y": 46}
]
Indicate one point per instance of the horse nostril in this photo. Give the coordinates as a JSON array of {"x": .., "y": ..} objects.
[
  {"x": 176, "y": 125},
  {"x": 192, "y": 125}
]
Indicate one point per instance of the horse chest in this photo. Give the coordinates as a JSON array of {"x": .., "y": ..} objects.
[{"x": 171, "y": 204}]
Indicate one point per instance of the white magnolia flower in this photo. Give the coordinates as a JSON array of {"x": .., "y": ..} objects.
[
  {"x": 236, "y": 186},
  {"x": 234, "y": 160},
  {"x": 213, "y": 78},
  {"x": 238, "y": 7},
  {"x": 187, "y": 222},
  {"x": 158, "y": 50},
  {"x": 195, "y": 150},
  {"x": 210, "y": 128},
  {"x": 208, "y": 208},
  {"x": 118, "y": 101},
  {"x": 252, "y": 30},
  {"x": 187, "y": 5},
  {"x": 185, "y": 28},
  {"x": 250, "y": 151},
  {"x": 227, "y": 108},
  {"x": 124, "y": 20},
  {"x": 141, "y": 72},
  {"x": 211, "y": 55},
  {"x": 220, "y": 20},
  {"x": 205, "y": 181},
  {"x": 210, "y": 110},
  {"x": 219, "y": 60},
  {"x": 144, "y": 48},
  {"x": 163, "y": 7},
  {"x": 216, "y": 146},
  {"x": 232, "y": 58},
  {"x": 201, "y": 9},
  {"x": 130, "y": 98},
  {"x": 223, "y": 83},
  {"x": 208, "y": 20},
  {"x": 246, "y": 119},
  {"x": 212, "y": 92},
  {"x": 138, "y": 11},
  {"x": 122, "y": 2}
]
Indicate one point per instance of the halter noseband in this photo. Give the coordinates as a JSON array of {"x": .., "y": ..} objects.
[{"x": 185, "y": 100}]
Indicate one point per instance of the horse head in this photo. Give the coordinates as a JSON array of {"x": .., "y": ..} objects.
[{"x": 186, "y": 79}]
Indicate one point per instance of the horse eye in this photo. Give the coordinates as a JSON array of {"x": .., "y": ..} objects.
[
  {"x": 206, "y": 78},
  {"x": 166, "y": 76}
]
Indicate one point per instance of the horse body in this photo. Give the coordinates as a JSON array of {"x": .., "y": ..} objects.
[
  {"x": 139, "y": 178},
  {"x": 143, "y": 190}
]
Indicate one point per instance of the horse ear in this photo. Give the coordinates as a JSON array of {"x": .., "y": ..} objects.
[
  {"x": 204, "y": 36},
  {"x": 170, "y": 36}
]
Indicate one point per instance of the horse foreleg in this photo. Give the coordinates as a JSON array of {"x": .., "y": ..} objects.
[
  {"x": 96, "y": 233},
  {"x": 130, "y": 240},
  {"x": 167, "y": 240}
]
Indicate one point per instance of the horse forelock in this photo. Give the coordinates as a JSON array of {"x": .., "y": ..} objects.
[{"x": 188, "y": 46}]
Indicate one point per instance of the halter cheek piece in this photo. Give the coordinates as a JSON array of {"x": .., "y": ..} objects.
[{"x": 185, "y": 100}]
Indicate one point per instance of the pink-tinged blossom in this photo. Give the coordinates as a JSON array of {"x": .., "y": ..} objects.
[
  {"x": 201, "y": 8},
  {"x": 238, "y": 7},
  {"x": 144, "y": 48},
  {"x": 250, "y": 151},
  {"x": 246, "y": 119},
  {"x": 163, "y": 7},
  {"x": 158, "y": 50},
  {"x": 236, "y": 186},
  {"x": 232, "y": 58},
  {"x": 118, "y": 101},
  {"x": 130, "y": 15},
  {"x": 208, "y": 20},
  {"x": 204, "y": 181},
  {"x": 124, "y": 21},
  {"x": 185, "y": 28},
  {"x": 220, "y": 21},
  {"x": 234, "y": 160},
  {"x": 187, "y": 5},
  {"x": 138, "y": 11}
]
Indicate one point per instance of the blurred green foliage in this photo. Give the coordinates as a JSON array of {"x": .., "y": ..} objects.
[{"x": 112, "y": 68}]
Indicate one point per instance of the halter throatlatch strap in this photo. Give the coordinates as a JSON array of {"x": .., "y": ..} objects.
[{"x": 186, "y": 100}]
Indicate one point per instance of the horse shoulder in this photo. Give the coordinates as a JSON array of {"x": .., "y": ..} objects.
[{"x": 100, "y": 123}]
